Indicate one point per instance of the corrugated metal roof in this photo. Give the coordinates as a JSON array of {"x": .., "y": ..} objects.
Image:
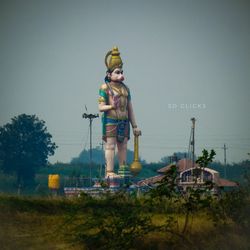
[
  {"x": 226, "y": 183},
  {"x": 151, "y": 180},
  {"x": 182, "y": 165}
]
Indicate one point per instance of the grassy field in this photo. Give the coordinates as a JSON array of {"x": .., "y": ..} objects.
[
  {"x": 28, "y": 223},
  {"x": 46, "y": 223}
]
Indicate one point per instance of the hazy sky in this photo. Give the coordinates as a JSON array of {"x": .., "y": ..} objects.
[{"x": 182, "y": 59}]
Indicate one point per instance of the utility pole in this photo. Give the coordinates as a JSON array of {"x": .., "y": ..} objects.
[
  {"x": 90, "y": 117},
  {"x": 225, "y": 160},
  {"x": 193, "y": 140}
]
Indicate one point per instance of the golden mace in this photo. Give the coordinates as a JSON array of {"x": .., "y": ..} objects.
[{"x": 136, "y": 166}]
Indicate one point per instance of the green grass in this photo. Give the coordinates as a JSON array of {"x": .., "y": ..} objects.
[
  {"x": 32, "y": 224},
  {"x": 41, "y": 223}
]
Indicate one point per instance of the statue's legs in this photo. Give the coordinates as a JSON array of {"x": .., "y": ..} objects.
[
  {"x": 110, "y": 155},
  {"x": 122, "y": 151}
]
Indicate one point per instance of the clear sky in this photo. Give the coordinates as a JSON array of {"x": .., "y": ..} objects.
[{"x": 182, "y": 59}]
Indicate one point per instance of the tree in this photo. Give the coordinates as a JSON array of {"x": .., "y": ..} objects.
[{"x": 25, "y": 146}]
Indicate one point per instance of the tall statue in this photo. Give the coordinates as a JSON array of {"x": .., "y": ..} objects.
[{"x": 115, "y": 103}]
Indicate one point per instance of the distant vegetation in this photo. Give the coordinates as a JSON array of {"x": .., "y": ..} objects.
[
  {"x": 71, "y": 173},
  {"x": 234, "y": 171}
]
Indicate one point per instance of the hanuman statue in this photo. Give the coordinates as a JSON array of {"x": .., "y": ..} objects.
[{"x": 115, "y": 103}]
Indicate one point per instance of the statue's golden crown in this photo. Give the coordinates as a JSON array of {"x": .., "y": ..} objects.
[{"x": 113, "y": 59}]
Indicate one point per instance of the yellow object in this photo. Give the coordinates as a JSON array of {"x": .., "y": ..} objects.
[
  {"x": 136, "y": 166},
  {"x": 101, "y": 99},
  {"x": 54, "y": 181},
  {"x": 113, "y": 59}
]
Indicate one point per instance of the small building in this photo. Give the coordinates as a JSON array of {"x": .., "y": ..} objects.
[{"x": 190, "y": 174}]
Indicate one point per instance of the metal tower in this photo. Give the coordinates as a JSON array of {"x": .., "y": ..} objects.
[
  {"x": 90, "y": 117},
  {"x": 191, "y": 146}
]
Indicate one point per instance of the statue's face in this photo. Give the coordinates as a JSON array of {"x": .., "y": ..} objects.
[{"x": 117, "y": 75}]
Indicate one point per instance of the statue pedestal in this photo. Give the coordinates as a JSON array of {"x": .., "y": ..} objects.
[
  {"x": 113, "y": 182},
  {"x": 121, "y": 180},
  {"x": 125, "y": 174}
]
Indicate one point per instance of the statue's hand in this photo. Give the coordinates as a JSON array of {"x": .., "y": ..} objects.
[{"x": 136, "y": 131}]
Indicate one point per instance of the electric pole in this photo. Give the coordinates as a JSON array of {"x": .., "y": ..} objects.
[
  {"x": 193, "y": 140},
  {"x": 90, "y": 117},
  {"x": 225, "y": 160}
]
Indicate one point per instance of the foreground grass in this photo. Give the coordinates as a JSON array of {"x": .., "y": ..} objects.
[
  {"x": 32, "y": 223},
  {"x": 36, "y": 223}
]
